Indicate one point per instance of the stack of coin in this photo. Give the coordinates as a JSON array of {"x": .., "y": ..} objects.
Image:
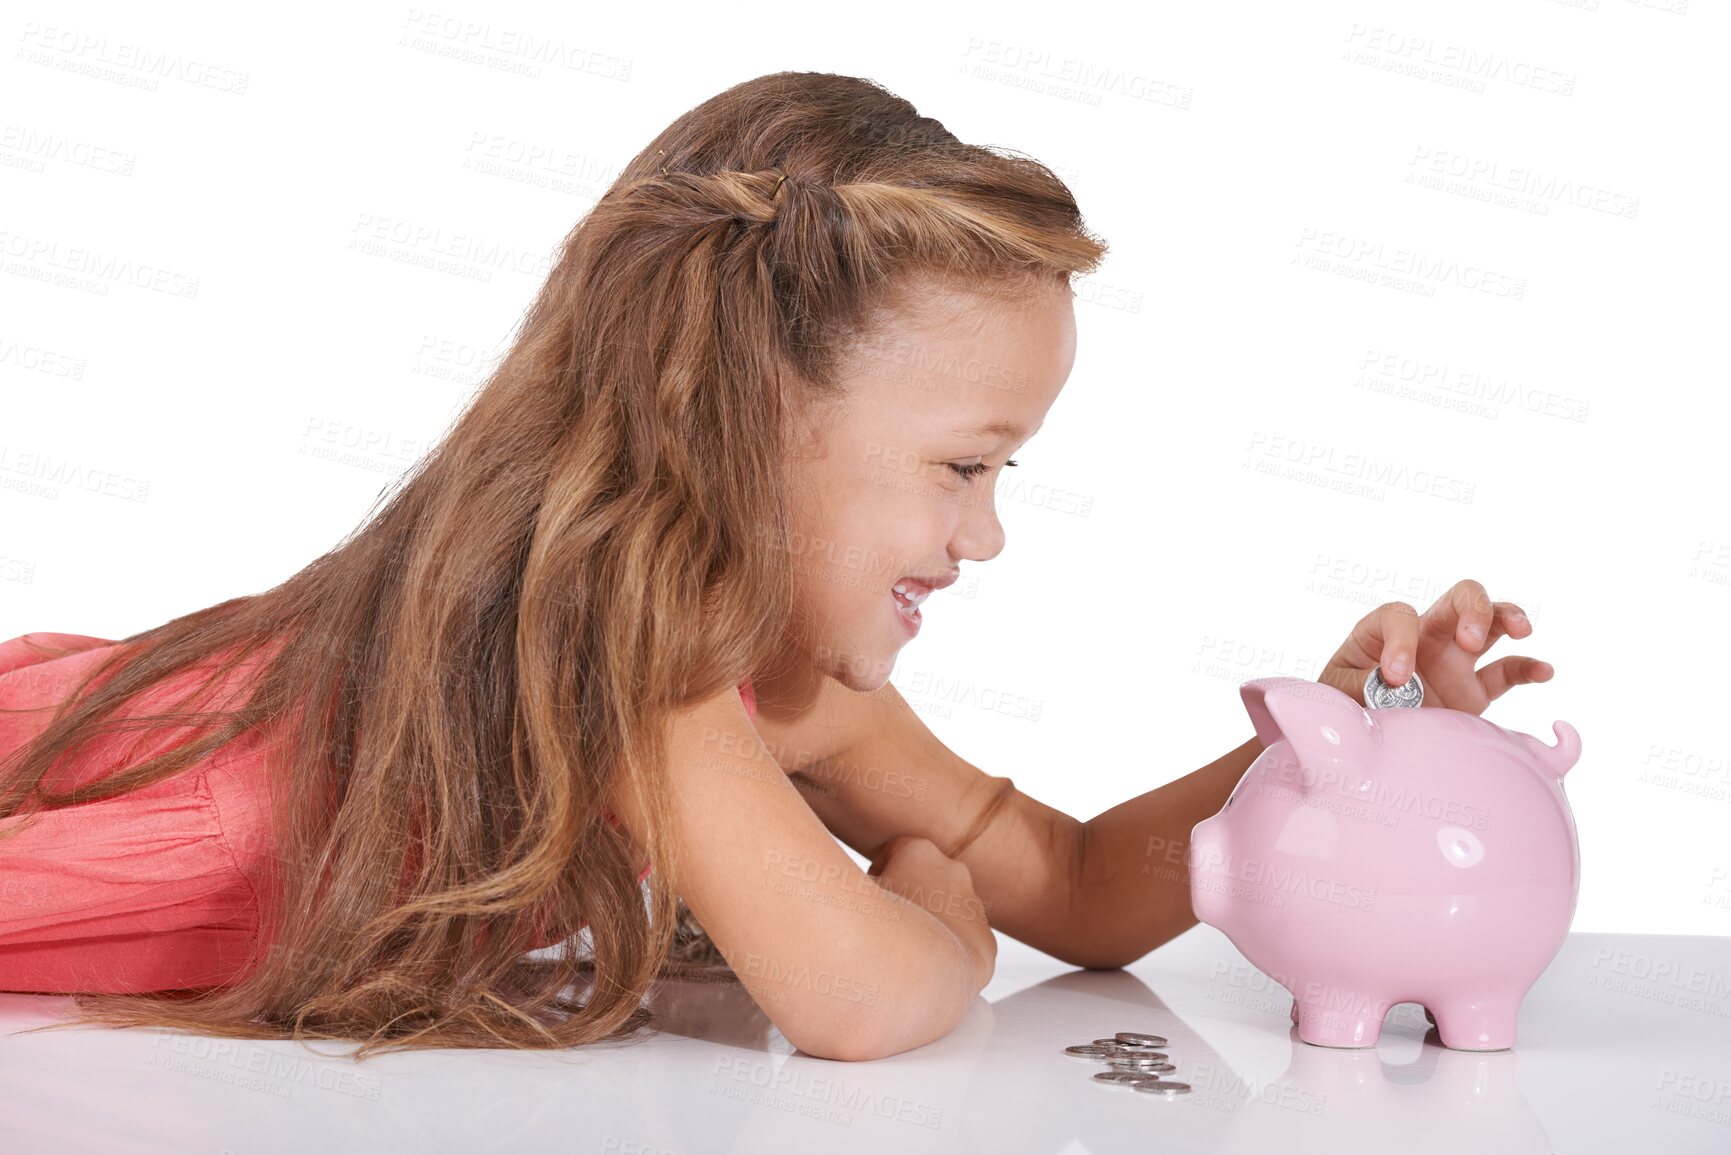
[{"x": 1133, "y": 1059}]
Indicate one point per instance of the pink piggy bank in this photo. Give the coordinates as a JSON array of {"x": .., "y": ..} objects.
[{"x": 1375, "y": 857}]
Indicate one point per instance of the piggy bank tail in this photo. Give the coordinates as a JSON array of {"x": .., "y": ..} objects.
[{"x": 1560, "y": 758}]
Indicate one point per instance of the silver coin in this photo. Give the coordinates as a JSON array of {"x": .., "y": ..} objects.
[
  {"x": 1124, "y": 1078},
  {"x": 1143, "y": 1068},
  {"x": 1115, "y": 1044},
  {"x": 1089, "y": 1051},
  {"x": 1138, "y": 1039},
  {"x": 1139, "y": 1057},
  {"x": 1161, "y": 1087},
  {"x": 1379, "y": 695}
]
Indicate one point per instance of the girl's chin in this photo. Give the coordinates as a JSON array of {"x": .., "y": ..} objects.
[{"x": 863, "y": 673}]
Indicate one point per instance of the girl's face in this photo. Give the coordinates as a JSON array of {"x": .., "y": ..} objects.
[{"x": 895, "y": 485}]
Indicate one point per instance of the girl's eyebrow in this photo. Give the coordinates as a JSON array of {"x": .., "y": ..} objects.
[{"x": 1002, "y": 429}]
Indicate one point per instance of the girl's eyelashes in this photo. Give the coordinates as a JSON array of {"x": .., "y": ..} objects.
[{"x": 969, "y": 472}]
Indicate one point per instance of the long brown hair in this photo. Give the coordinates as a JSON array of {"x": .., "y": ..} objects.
[{"x": 598, "y": 540}]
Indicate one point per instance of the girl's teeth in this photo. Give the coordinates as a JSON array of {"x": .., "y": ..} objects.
[{"x": 911, "y": 599}]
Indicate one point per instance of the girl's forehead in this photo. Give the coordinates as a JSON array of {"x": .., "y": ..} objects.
[{"x": 992, "y": 359}]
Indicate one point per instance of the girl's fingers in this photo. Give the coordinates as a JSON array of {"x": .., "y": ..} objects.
[
  {"x": 1510, "y": 620},
  {"x": 1390, "y": 636},
  {"x": 1464, "y": 615},
  {"x": 1504, "y": 673},
  {"x": 1396, "y": 626}
]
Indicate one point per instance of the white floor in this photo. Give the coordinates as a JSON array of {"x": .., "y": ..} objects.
[{"x": 1624, "y": 1046}]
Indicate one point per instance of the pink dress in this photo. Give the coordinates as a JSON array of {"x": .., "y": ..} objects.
[{"x": 151, "y": 890}]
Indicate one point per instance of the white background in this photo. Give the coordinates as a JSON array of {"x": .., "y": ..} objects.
[{"x": 207, "y": 375}]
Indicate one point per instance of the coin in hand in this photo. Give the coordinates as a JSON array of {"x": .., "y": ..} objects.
[{"x": 1379, "y": 695}]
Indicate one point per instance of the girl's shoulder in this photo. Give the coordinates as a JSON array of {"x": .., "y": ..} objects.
[{"x": 43, "y": 646}]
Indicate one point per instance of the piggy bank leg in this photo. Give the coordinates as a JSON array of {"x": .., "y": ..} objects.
[
  {"x": 1331, "y": 1027},
  {"x": 1478, "y": 1024}
]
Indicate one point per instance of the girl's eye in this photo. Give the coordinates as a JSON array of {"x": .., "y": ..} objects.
[{"x": 969, "y": 472}]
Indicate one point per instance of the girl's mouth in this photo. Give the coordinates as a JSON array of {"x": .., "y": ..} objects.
[{"x": 907, "y": 596}]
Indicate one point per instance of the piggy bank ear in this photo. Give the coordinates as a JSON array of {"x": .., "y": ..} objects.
[{"x": 1319, "y": 722}]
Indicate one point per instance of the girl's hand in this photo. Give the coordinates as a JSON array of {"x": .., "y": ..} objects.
[
  {"x": 921, "y": 873},
  {"x": 1443, "y": 643}
]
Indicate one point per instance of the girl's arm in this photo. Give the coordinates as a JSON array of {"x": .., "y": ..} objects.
[
  {"x": 1135, "y": 892},
  {"x": 845, "y": 969},
  {"x": 1100, "y": 893}
]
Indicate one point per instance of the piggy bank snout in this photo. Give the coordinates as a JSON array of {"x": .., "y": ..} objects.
[
  {"x": 1207, "y": 846},
  {"x": 1207, "y": 854}
]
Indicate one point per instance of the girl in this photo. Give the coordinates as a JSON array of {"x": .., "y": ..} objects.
[{"x": 625, "y": 633}]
